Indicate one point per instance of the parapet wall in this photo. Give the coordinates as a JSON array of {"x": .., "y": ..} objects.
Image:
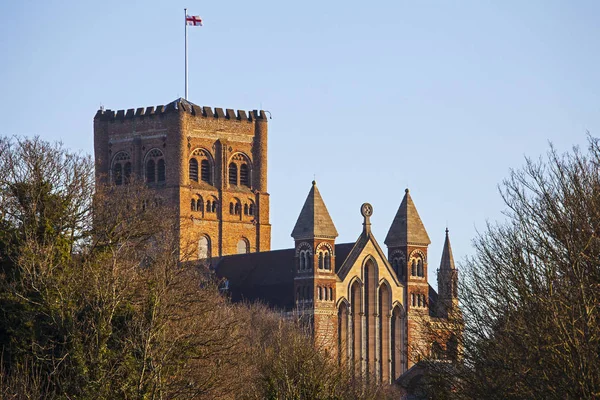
[{"x": 180, "y": 105}]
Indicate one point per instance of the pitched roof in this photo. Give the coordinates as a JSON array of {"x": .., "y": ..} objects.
[
  {"x": 314, "y": 220},
  {"x": 267, "y": 276},
  {"x": 407, "y": 227},
  {"x": 447, "y": 257}
]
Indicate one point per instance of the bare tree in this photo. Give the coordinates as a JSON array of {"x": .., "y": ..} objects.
[{"x": 531, "y": 292}]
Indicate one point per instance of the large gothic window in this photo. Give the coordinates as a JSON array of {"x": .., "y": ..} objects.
[
  {"x": 240, "y": 170},
  {"x": 160, "y": 167},
  {"x": 150, "y": 171}
]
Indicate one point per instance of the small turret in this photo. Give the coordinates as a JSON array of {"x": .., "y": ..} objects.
[
  {"x": 447, "y": 280},
  {"x": 315, "y": 276}
]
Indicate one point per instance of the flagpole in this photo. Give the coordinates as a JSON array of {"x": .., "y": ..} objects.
[{"x": 186, "y": 60}]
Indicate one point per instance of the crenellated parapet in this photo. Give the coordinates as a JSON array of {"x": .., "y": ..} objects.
[{"x": 178, "y": 106}]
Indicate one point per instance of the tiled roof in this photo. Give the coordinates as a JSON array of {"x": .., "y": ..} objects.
[{"x": 267, "y": 276}]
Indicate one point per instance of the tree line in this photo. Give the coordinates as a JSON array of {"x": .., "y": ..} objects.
[{"x": 95, "y": 302}]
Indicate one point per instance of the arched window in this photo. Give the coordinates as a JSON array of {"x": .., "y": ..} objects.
[
  {"x": 205, "y": 170},
  {"x": 127, "y": 172},
  {"x": 301, "y": 261},
  {"x": 321, "y": 261},
  {"x": 118, "y": 174},
  {"x": 155, "y": 166},
  {"x": 327, "y": 261},
  {"x": 161, "y": 170},
  {"x": 150, "y": 171},
  {"x": 121, "y": 168},
  {"x": 231, "y": 208},
  {"x": 193, "y": 205},
  {"x": 245, "y": 209},
  {"x": 233, "y": 174},
  {"x": 200, "y": 204},
  {"x": 420, "y": 267},
  {"x": 208, "y": 207},
  {"x": 214, "y": 206},
  {"x": 414, "y": 268},
  {"x": 204, "y": 248},
  {"x": 242, "y": 246},
  {"x": 193, "y": 170},
  {"x": 237, "y": 208},
  {"x": 244, "y": 175},
  {"x": 251, "y": 209}
]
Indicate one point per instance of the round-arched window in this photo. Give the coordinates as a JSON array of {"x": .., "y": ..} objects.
[{"x": 242, "y": 246}]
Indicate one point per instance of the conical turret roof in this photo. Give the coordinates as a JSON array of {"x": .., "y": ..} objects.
[
  {"x": 407, "y": 227},
  {"x": 314, "y": 220},
  {"x": 447, "y": 257}
]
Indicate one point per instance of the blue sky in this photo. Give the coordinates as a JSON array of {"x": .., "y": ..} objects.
[{"x": 371, "y": 97}]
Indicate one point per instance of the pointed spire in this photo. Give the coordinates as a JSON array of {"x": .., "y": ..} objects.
[
  {"x": 407, "y": 227},
  {"x": 447, "y": 262},
  {"x": 314, "y": 220}
]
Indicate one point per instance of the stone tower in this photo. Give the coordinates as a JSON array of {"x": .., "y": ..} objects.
[
  {"x": 211, "y": 165},
  {"x": 407, "y": 242},
  {"x": 315, "y": 276},
  {"x": 447, "y": 276}
]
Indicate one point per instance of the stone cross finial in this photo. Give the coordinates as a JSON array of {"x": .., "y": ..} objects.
[{"x": 366, "y": 210}]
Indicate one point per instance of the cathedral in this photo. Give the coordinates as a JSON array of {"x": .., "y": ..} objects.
[{"x": 362, "y": 303}]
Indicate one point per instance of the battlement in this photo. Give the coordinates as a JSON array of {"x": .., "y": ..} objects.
[{"x": 177, "y": 106}]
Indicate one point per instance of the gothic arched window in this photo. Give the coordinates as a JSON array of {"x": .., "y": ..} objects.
[
  {"x": 160, "y": 166},
  {"x": 251, "y": 209},
  {"x": 193, "y": 170},
  {"x": 321, "y": 260},
  {"x": 205, "y": 170},
  {"x": 193, "y": 205},
  {"x": 420, "y": 267},
  {"x": 233, "y": 174},
  {"x": 414, "y": 268},
  {"x": 150, "y": 171},
  {"x": 231, "y": 208},
  {"x": 245, "y": 209},
  {"x": 244, "y": 175},
  {"x": 121, "y": 168}
]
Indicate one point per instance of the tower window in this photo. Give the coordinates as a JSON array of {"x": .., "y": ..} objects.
[
  {"x": 327, "y": 261},
  {"x": 321, "y": 261},
  {"x": 244, "y": 175},
  {"x": 193, "y": 205},
  {"x": 420, "y": 268},
  {"x": 208, "y": 207},
  {"x": 414, "y": 268},
  {"x": 161, "y": 170},
  {"x": 231, "y": 208},
  {"x": 251, "y": 209},
  {"x": 127, "y": 172},
  {"x": 118, "y": 174},
  {"x": 237, "y": 209},
  {"x": 193, "y": 170},
  {"x": 205, "y": 170},
  {"x": 150, "y": 171},
  {"x": 233, "y": 174},
  {"x": 245, "y": 209},
  {"x": 214, "y": 206}
]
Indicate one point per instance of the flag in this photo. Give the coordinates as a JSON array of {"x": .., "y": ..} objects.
[{"x": 193, "y": 20}]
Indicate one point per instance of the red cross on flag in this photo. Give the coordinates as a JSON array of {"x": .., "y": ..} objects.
[{"x": 193, "y": 20}]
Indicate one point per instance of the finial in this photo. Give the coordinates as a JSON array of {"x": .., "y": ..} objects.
[
  {"x": 406, "y": 190},
  {"x": 446, "y": 231},
  {"x": 366, "y": 210},
  {"x": 314, "y": 182}
]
